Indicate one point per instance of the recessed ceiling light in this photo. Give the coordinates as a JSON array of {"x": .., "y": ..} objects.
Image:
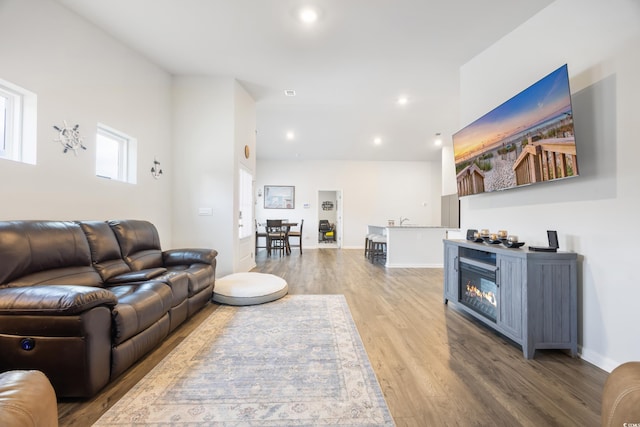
[
  {"x": 291, "y": 135},
  {"x": 377, "y": 140},
  {"x": 308, "y": 15},
  {"x": 289, "y": 92},
  {"x": 403, "y": 100},
  {"x": 438, "y": 140}
]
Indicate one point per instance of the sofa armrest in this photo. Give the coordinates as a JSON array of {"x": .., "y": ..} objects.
[
  {"x": 137, "y": 276},
  {"x": 54, "y": 299},
  {"x": 189, "y": 256}
]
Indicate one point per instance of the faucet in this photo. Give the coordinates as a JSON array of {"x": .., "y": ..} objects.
[{"x": 402, "y": 220}]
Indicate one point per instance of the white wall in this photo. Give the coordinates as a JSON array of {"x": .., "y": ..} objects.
[
  {"x": 244, "y": 134},
  {"x": 84, "y": 77},
  {"x": 595, "y": 214},
  {"x": 212, "y": 123},
  {"x": 372, "y": 193},
  {"x": 448, "y": 170}
]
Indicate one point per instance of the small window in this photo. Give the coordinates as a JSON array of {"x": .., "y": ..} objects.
[
  {"x": 115, "y": 155},
  {"x": 18, "y": 115}
]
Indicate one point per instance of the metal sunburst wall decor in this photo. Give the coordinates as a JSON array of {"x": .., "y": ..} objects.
[
  {"x": 155, "y": 169},
  {"x": 69, "y": 137}
]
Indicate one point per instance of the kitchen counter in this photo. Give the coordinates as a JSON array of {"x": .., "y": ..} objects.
[{"x": 413, "y": 246}]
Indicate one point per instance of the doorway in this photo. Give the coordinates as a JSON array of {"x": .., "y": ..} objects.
[{"x": 329, "y": 219}]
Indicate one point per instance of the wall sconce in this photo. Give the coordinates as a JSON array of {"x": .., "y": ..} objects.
[{"x": 155, "y": 169}]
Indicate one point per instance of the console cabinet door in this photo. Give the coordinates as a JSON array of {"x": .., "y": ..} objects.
[
  {"x": 552, "y": 299},
  {"x": 511, "y": 281},
  {"x": 450, "y": 273}
]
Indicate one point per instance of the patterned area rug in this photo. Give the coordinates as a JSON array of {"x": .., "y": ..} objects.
[{"x": 298, "y": 361}]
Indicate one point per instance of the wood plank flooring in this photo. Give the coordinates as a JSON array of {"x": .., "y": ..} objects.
[{"x": 436, "y": 366}]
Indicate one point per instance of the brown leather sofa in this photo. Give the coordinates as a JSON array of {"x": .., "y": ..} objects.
[
  {"x": 621, "y": 396},
  {"x": 82, "y": 301}
]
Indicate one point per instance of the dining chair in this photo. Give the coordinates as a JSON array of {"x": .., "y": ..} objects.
[
  {"x": 276, "y": 236},
  {"x": 260, "y": 234},
  {"x": 298, "y": 234}
]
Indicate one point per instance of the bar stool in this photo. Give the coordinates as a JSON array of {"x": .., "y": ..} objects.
[
  {"x": 367, "y": 238},
  {"x": 377, "y": 247}
]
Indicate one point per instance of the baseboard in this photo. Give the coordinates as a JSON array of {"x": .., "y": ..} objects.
[{"x": 597, "y": 359}]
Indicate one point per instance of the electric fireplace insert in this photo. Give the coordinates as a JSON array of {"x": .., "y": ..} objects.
[{"x": 478, "y": 283}]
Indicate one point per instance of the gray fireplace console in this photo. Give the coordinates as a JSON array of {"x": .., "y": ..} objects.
[{"x": 536, "y": 293}]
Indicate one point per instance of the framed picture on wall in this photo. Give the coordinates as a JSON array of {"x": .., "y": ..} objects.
[{"x": 279, "y": 197}]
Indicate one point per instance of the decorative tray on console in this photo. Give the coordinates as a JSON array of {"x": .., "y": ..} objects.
[{"x": 488, "y": 239}]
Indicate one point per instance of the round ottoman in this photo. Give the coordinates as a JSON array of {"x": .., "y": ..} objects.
[{"x": 249, "y": 288}]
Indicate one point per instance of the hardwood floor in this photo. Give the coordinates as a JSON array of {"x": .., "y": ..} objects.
[{"x": 436, "y": 366}]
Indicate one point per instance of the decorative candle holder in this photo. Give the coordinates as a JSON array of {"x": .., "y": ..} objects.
[{"x": 512, "y": 242}]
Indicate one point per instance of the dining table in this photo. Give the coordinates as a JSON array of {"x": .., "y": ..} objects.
[{"x": 286, "y": 226}]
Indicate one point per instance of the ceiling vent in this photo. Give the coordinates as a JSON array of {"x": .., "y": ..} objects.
[{"x": 290, "y": 92}]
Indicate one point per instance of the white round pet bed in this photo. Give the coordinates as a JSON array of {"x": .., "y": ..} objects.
[{"x": 249, "y": 288}]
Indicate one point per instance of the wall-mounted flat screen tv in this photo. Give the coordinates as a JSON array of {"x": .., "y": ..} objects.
[{"x": 527, "y": 140}]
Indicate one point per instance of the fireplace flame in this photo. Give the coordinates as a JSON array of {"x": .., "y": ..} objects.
[{"x": 475, "y": 292}]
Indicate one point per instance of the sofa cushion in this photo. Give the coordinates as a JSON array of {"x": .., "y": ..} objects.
[
  {"x": 200, "y": 276},
  {"x": 139, "y": 243},
  {"x": 105, "y": 251},
  {"x": 179, "y": 283},
  {"x": 30, "y": 247},
  {"x": 139, "y": 306}
]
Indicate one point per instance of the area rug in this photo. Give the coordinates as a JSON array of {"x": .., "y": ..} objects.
[{"x": 298, "y": 361}]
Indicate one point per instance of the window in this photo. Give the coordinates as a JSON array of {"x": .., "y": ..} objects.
[
  {"x": 115, "y": 155},
  {"x": 18, "y": 114},
  {"x": 245, "y": 203},
  {"x": 3, "y": 124}
]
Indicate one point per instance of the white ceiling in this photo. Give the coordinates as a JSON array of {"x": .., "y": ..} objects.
[{"x": 348, "y": 69}]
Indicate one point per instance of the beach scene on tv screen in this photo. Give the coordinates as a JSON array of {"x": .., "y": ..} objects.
[{"x": 526, "y": 140}]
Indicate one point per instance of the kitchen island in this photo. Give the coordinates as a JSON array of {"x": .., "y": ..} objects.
[{"x": 413, "y": 246}]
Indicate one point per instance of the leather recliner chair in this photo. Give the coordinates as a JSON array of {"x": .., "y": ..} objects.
[
  {"x": 27, "y": 399},
  {"x": 621, "y": 396}
]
